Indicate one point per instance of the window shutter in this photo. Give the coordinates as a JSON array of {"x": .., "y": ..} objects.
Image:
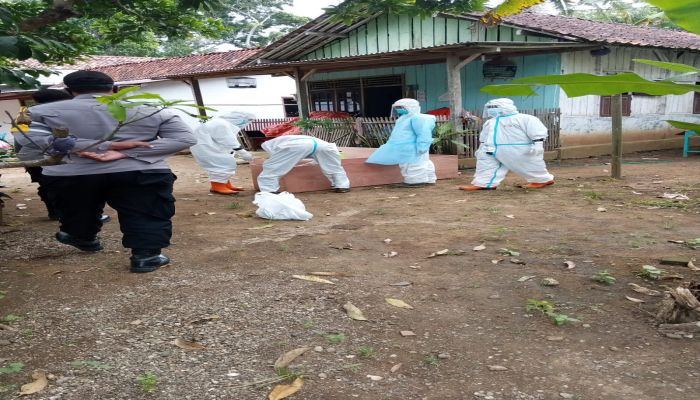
[{"x": 605, "y": 103}]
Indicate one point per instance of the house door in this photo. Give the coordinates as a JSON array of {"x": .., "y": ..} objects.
[{"x": 378, "y": 100}]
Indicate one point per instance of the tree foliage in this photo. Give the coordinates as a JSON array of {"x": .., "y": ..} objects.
[
  {"x": 59, "y": 31},
  {"x": 256, "y": 23},
  {"x": 354, "y": 10}
]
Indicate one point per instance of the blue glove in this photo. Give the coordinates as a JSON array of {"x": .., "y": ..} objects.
[{"x": 64, "y": 145}]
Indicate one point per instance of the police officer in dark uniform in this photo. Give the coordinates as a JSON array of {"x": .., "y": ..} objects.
[{"x": 128, "y": 171}]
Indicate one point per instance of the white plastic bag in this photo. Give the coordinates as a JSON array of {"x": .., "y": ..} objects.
[{"x": 280, "y": 206}]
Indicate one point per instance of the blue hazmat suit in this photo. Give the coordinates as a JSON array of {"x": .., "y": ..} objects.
[
  {"x": 409, "y": 143},
  {"x": 217, "y": 144},
  {"x": 510, "y": 141}
]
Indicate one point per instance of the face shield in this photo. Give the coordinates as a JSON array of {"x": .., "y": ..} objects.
[
  {"x": 499, "y": 108},
  {"x": 405, "y": 107}
]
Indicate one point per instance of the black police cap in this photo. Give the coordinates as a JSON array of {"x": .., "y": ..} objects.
[{"x": 87, "y": 79}]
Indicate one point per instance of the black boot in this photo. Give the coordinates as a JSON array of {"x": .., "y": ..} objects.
[
  {"x": 143, "y": 261},
  {"x": 81, "y": 244}
]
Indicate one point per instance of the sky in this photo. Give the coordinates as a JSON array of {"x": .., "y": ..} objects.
[{"x": 311, "y": 8}]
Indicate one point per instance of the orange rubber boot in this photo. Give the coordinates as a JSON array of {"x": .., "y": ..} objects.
[
  {"x": 538, "y": 185},
  {"x": 472, "y": 187},
  {"x": 220, "y": 188},
  {"x": 234, "y": 188}
]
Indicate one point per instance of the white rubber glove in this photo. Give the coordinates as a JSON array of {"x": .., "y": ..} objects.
[
  {"x": 245, "y": 155},
  {"x": 537, "y": 148}
]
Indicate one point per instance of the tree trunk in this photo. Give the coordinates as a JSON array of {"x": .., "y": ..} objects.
[{"x": 61, "y": 11}]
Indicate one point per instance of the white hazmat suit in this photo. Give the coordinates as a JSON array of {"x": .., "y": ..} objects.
[
  {"x": 510, "y": 141},
  {"x": 286, "y": 151},
  {"x": 217, "y": 144},
  {"x": 409, "y": 143}
]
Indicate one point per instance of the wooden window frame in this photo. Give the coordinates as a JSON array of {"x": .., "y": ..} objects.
[
  {"x": 606, "y": 104},
  {"x": 696, "y": 103}
]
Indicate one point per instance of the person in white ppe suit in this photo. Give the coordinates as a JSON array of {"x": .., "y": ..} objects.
[
  {"x": 409, "y": 143},
  {"x": 217, "y": 145},
  {"x": 286, "y": 151},
  {"x": 510, "y": 141}
]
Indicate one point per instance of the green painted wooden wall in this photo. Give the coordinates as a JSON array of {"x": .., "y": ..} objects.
[
  {"x": 431, "y": 81},
  {"x": 392, "y": 33}
]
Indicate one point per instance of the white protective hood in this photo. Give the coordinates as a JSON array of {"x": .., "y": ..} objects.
[
  {"x": 238, "y": 118},
  {"x": 505, "y": 106},
  {"x": 412, "y": 105}
]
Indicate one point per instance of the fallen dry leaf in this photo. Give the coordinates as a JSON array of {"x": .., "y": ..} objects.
[
  {"x": 402, "y": 283},
  {"x": 390, "y": 254},
  {"x": 602, "y": 209},
  {"x": 550, "y": 282},
  {"x": 692, "y": 266},
  {"x": 677, "y": 241},
  {"x": 439, "y": 253},
  {"x": 526, "y": 278},
  {"x": 407, "y": 333},
  {"x": 40, "y": 382},
  {"x": 387, "y": 241},
  {"x": 517, "y": 261},
  {"x": 511, "y": 216},
  {"x": 186, "y": 345},
  {"x": 570, "y": 264},
  {"x": 398, "y": 303},
  {"x": 311, "y": 278},
  {"x": 396, "y": 367},
  {"x": 285, "y": 359},
  {"x": 414, "y": 266},
  {"x": 354, "y": 312},
  {"x": 283, "y": 391},
  {"x": 479, "y": 247},
  {"x": 643, "y": 290},
  {"x": 375, "y": 377},
  {"x": 634, "y": 300},
  {"x": 496, "y": 261},
  {"x": 202, "y": 319},
  {"x": 326, "y": 273},
  {"x": 497, "y": 368}
]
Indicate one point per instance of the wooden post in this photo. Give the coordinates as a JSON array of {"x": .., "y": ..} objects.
[
  {"x": 302, "y": 96},
  {"x": 616, "y": 112},
  {"x": 198, "y": 96},
  {"x": 454, "y": 88}
]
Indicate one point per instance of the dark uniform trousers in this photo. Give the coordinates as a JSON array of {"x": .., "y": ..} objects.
[
  {"x": 143, "y": 199},
  {"x": 44, "y": 195}
]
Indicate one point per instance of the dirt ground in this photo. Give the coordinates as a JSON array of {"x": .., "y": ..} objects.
[{"x": 99, "y": 330}]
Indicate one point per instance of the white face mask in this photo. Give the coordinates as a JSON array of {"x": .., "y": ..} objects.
[{"x": 493, "y": 112}]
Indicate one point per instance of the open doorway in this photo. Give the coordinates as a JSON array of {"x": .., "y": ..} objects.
[{"x": 378, "y": 100}]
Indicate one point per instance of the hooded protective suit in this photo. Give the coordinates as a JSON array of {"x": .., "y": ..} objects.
[
  {"x": 217, "y": 144},
  {"x": 286, "y": 151},
  {"x": 409, "y": 143},
  {"x": 510, "y": 141}
]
